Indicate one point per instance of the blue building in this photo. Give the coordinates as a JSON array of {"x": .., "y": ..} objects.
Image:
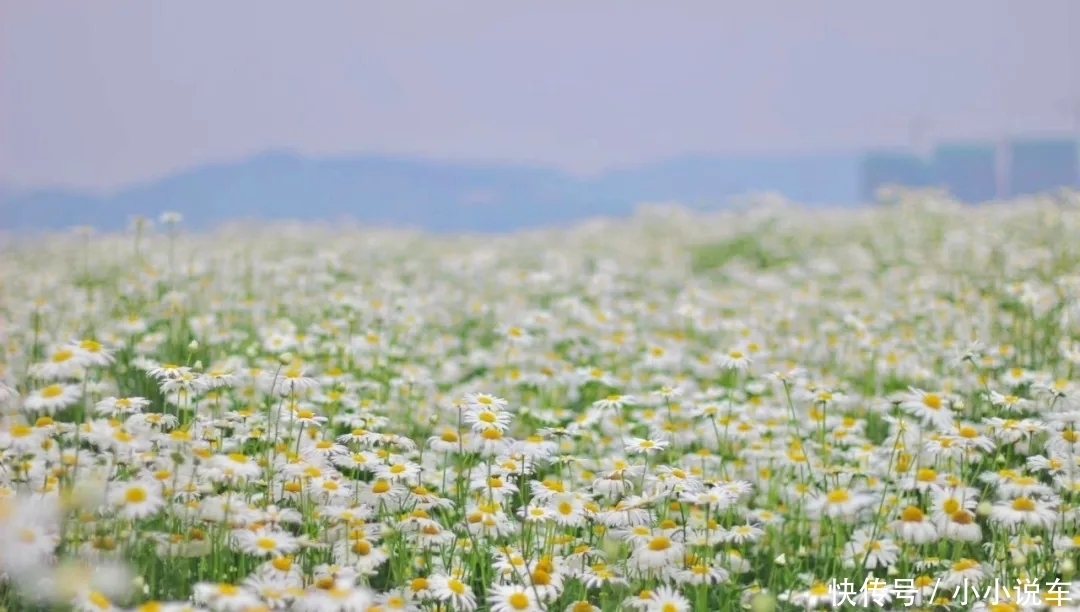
[
  {"x": 1043, "y": 165},
  {"x": 967, "y": 170},
  {"x": 884, "y": 168}
]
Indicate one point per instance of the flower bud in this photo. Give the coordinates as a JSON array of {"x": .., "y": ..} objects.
[
  {"x": 763, "y": 602},
  {"x": 611, "y": 548},
  {"x": 1018, "y": 559}
]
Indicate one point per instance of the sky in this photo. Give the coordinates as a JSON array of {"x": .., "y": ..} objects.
[{"x": 99, "y": 95}]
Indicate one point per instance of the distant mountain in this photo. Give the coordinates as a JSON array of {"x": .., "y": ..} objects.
[{"x": 436, "y": 196}]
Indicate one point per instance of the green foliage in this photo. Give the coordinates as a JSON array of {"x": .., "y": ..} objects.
[{"x": 747, "y": 248}]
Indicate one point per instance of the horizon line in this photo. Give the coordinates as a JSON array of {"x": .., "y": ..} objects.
[{"x": 9, "y": 188}]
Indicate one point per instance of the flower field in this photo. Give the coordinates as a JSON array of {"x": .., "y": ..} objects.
[{"x": 777, "y": 409}]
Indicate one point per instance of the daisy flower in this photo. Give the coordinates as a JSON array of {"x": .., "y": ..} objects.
[
  {"x": 264, "y": 542},
  {"x": 52, "y": 399},
  {"x": 453, "y": 591},
  {"x": 137, "y": 499},
  {"x": 513, "y": 598},
  {"x": 645, "y": 446},
  {"x": 1027, "y": 511}
]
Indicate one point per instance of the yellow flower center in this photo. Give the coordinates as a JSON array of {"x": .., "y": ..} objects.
[
  {"x": 911, "y": 514},
  {"x": 838, "y": 496},
  {"x": 659, "y": 544},
  {"x": 1023, "y": 504},
  {"x": 135, "y": 495}
]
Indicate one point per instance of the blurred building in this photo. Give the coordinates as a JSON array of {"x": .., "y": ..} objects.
[
  {"x": 1043, "y": 165},
  {"x": 885, "y": 168},
  {"x": 967, "y": 170}
]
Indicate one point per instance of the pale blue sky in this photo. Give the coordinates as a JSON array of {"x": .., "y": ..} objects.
[{"x": 101, "y": 93}]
